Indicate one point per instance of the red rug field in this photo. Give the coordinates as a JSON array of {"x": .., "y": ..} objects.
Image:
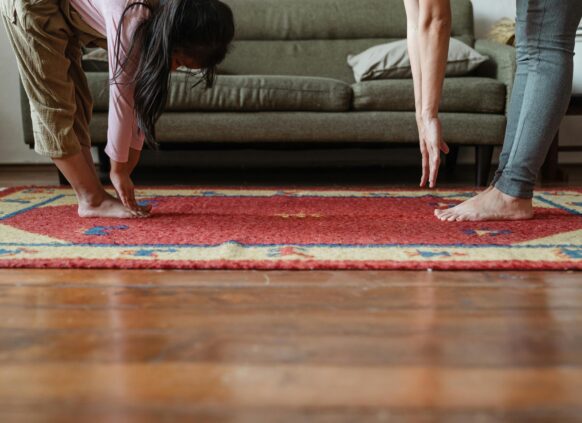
[{"x": 231, "y": 228}]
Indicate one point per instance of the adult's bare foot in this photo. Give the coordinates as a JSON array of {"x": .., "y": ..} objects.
[
  {"x": 491, "y": 204},
  {"x": 111, "y": 207}
]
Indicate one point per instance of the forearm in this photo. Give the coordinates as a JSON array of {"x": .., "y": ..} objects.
[
  {"x": 434, "y": 33},
  {"x": 413, "y": 51}
]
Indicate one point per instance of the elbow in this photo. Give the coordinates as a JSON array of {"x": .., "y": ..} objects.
[{"x": 440, "y": 23}]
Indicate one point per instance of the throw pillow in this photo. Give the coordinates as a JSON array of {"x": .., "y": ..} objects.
[{"x": 391, "y": 61}]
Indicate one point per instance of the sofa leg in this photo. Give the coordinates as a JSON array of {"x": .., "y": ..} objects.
[
  {"x": 104, "y": 164},
  {"x": 483, "y": 156},
  {"x": 451, "y": 160}
]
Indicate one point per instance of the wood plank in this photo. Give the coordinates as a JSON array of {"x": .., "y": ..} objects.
[
  {"x": 230, "y": 279},
  {"x": 346, "y": 322},
  {"x": 132, "y": 384},
  {"x": 224, "y": 413},
  {"x": 290, "y": 298},
  {"x": 498, "y": 346}
]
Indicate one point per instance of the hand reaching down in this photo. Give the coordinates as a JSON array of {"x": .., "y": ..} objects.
[
  {"x": 121, "y": 180},
  {"x": 431, "y": 145}
]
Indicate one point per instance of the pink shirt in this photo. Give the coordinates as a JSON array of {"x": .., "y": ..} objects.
[{"x": 104, "y": 17}]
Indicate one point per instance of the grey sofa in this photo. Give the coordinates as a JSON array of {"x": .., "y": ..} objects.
[{"x": 286, "y": 82}]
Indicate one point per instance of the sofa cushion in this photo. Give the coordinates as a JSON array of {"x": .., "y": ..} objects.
[
  {"x": 313, "y": 128},
  {"x": 332, "y": 19},
  {"x": 244, "y": 94},
  {"x": 465, "y": 94},
  {"x": 314, "y": 37},
  {"x": 323, "y": 58}
]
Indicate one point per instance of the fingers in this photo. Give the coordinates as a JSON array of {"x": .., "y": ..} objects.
[
  {"x": 145, "y": 211},
  {"x": 444, "y": 147},
  {"x": 131, "y": 203},
  {"x": 127, "y": 197},
  {"x": 129, "y": 200},
  {"x": 425, "y": 164},
  {"x": 435, "y": 162}
]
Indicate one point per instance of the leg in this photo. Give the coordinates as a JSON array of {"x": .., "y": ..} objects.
[
  {"x": 92, "y": 202},
  {"x": 513, "y": 114},
  {"x": 516, "y": 101},
  {"x": 483, "y": 156},
  {"x": 550, "y": 33}
]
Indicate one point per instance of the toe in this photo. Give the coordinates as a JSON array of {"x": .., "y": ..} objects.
[
  {"x": 463, "y": 218},
  {"x": 127, "y": 214}
]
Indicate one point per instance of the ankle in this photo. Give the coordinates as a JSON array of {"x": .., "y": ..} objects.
[
  {"x": 91, "y": 198},
  {"x": 510, "y": 198}
]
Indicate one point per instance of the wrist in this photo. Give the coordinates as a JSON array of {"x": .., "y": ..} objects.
[{"x": 118, "y": 168}]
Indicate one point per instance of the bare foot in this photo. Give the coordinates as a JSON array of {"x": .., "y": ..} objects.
[
  {"x": 491, "y": 204},
  {"x": 111, "y": 207}
]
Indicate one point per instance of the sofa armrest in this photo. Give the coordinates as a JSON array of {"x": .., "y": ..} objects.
[{"x": 501, "y": 64}]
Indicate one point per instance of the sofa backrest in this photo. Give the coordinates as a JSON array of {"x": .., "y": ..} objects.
[{"x": 314, "y": 37}]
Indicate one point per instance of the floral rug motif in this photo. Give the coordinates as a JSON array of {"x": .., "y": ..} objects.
[{"x": 232, "y": 228}]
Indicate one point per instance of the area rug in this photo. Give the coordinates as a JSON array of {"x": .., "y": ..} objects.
[{"x": 231, "y": 228}]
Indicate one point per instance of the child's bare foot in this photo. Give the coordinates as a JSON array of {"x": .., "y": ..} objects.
[
  {"x": 491, "y": 204},
  {"x": 110, "y": 207},
  {"x": 94, "y": 201}
]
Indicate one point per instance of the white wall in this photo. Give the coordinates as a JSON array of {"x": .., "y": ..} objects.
[
  {"x": 13, "y": 150},
  {"x": 487, "y": 12}
]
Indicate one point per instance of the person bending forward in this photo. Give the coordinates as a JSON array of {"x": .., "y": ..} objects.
[{"x": 146, "y": 39}]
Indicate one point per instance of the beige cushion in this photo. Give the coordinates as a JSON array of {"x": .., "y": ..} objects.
[
  {"x": 391, "y": 60},
  {"x": 465, "y": 95},
  {"x": 243, "y": 94}
]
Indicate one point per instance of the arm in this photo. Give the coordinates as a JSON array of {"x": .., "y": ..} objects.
[
  {"x": 123, "y": 141},
  {"x": 414, "y": 54},
  {"x": 429, "y": 30}
]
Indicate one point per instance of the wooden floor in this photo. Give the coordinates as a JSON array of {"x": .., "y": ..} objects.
[
  {"x": 160, "y": 346},
  {"x": 290, "y": 347}
]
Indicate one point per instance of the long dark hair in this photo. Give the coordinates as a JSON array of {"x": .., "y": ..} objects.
[{"x": 202, "y": 29}]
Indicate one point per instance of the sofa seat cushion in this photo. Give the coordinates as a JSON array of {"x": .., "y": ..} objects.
[
  {"x": 313, "y": 128},
  {"x": 460, "y": 95},
  {"x": 244, "y": 94}
]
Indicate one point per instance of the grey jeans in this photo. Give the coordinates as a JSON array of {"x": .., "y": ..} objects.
[{"x": 545, "y": 38}]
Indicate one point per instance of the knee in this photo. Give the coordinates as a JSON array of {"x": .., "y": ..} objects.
[{"x": 522, "y": 54}]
